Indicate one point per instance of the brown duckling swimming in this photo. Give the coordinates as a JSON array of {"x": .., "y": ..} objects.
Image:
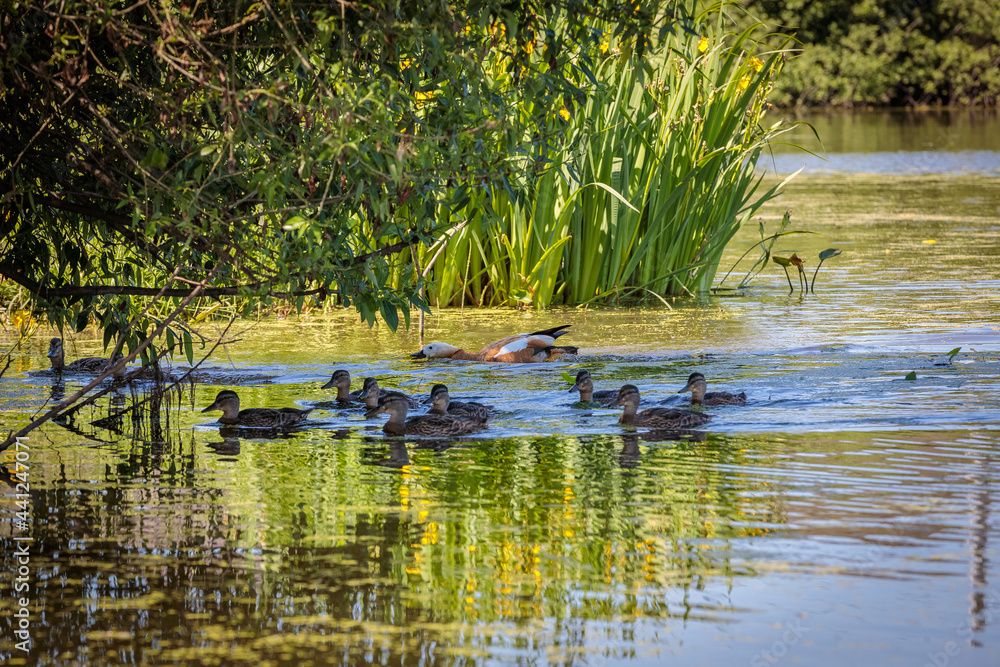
[
  {"x": 396, "y": 405},
  {"x": 658, "y": 418},
  {"x": 57, "y": 356},
  {"x": 443, "y": 405},
  {"x": 229, "y": 403},
  {"x": 585, "y": 385},
  {"x": 373, "y": 396},
  {"x": 341, "y": 379},
  {"x": 696, "y": 385}
]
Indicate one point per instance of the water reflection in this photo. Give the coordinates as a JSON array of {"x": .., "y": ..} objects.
[{"x": 844, "y": 497}]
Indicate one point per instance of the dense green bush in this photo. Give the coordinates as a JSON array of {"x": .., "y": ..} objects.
[{"x": 887, "y": 52}]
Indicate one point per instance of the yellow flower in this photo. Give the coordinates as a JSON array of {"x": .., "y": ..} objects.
[
  {"x": 498, "y": 29},
  {"x": 404, "y": 63},
  {"x": 564, "y": 113},
  {"x": 744, "y": 83},
  {"x": 22, "y": 320},
  {"x": 423, "y": 98},
  {"x": 605, "y": 43},
  {"x": 529, "y": 46},
  {"x": 756, "y": 63},
  {"x": 703, "y": 45}
]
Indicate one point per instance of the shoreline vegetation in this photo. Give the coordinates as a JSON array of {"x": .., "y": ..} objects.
[
  {"x": 164, "y": 166},
  {"x": 504, "y": 158},
  {"x": 893, "y": 53}
]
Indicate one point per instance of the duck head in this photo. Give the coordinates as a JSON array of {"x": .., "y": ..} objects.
[
  {"x": 696, "y": 385},
  {"x": 628, "y": 396},
  {"x": 56, "y": 355},
  {"x": 440, "y": 399},
  {"x": 227, "y": 401},
  {"x": 369, "y": 392},
  {"x": 584, "y": 385},
  {"x": 435, "y": 351},
  {"x": 340, "y": 379},
  {"x": 395, "y": 404}
]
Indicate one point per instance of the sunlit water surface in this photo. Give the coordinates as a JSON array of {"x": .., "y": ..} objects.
[{"x": 845, "y": 516}]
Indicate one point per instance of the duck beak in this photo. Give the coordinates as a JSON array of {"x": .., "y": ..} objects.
[
  {"x": 328, "y": 385},
  {"x": 210, "y": 408},
  {"x": 363, "y": 394},
  {"x": 52, "y": 351},
  {"x": 575, "y": 387},
  {"x": 418, "y": 355},
  {"x": 686, "y": 388}
]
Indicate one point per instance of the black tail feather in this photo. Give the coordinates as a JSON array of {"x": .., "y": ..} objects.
[{"x": 555, "y": 332}]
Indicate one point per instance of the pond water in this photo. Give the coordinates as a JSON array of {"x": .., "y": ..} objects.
[{"x": 843, "y": 517}]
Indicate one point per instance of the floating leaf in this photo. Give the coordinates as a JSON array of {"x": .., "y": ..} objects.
[
  {"x": 951, "y": 355},
  {"x": 569, "y": 378},
  {"x": 828, "y": 253},
  {"x": 912, "y": 375}
]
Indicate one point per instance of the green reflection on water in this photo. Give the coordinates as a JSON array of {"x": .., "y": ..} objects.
[
  {"x": 560, "y": 536},
  {"x": 890, "y": 130}
]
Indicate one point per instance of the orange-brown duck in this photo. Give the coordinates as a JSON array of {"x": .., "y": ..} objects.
[{"x": 522, "y": 348}]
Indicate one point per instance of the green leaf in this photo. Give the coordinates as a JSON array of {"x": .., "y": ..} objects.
[
  {"x": 569, "y": 378},
  {"x": 783, "y": 261},
  {"x": 188, "y": 347},
  {"x": 951, "y": 355},
  {"x": 828, "y": 253},
  {"x": 912, "y": 375},
  {"x": 390, "y": 315}
]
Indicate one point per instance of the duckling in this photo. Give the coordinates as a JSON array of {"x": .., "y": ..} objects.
[
  {"x": 522, "y": 348},
  {"x": 443, "y": 405},
  {"x": 661, "y": 418},
  {"x": 229, "y": 403},
  {"x": 373, "y": 396},
  {"x": 86, "y": 365},
  {"x": 396, "y": 405},
  {"x": 341, "y": 379},
  {"x": 585, "y": 385},
  {"x": 696, "y": 385}
]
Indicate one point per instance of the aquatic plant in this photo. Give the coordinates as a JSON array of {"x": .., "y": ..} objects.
[
  {"x": 823, "y": 256},
  {"x": 784, "y": 263},
  {"x": 644, "y": 177}
]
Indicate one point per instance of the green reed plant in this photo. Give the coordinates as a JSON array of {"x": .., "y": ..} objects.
[{"x": 650, "y": 176}]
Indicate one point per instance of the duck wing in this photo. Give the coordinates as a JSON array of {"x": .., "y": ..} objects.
[
  {"x": 472, "y": 410},
  {"x": 87, "y": 365},
  {"x": 539, "y": 340},
  {"x": 671, "y": 418},
  {"x": 441, "y": 425},
  {"x": 725, "y": 398},
  {"x": 271, "y": 418},
  {"x": 605, "y": 397}
]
